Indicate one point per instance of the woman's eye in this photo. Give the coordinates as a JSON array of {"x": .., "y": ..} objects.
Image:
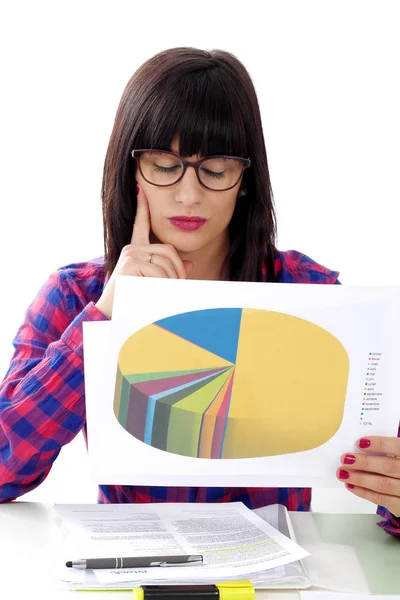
[
  {"x": 165, "y": 169},
  {"x": 213, "y": 173}
]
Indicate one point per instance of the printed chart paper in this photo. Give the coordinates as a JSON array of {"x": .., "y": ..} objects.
[{"x": 234, "y": 384}]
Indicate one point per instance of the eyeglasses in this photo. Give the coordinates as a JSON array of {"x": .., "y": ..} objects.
[{"x": 217, "y": 173}]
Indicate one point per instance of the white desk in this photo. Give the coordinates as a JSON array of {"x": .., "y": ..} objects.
[{"x": 30, "y": 536}]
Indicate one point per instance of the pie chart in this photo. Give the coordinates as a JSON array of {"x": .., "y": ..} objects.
[{"x": 229, "y": 383}]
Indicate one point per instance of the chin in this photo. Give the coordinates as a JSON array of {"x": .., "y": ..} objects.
[
  {"x": 183, "y": 242},
  {"x": 185, "y": 246}
]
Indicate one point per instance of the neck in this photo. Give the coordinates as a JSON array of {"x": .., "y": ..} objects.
[{"x": 209, "y": 261}]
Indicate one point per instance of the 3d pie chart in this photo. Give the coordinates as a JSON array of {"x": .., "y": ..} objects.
[{"x": 231, "y": 383}]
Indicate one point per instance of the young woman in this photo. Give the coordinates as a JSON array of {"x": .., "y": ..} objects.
[{"x": 186, "y": 194}]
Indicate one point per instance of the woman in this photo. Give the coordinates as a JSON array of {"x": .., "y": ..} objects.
[{"x": 169, "y": 211}]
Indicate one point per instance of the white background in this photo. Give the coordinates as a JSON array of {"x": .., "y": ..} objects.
[{"x": 326, "y": 73}]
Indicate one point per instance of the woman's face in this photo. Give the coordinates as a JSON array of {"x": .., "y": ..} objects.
[{"x": 171, "y": 206}]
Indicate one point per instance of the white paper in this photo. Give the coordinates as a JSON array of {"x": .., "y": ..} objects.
[
  {"x": 364, "y": 320},
  {"x": 233, "y": 540},
  {"x": 292, "y": 576}
]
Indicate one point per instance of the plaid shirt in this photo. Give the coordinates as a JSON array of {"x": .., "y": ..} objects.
[{"x": 42, "y": 397}]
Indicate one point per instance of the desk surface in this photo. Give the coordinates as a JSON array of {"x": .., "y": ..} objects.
[{"x": 30, "y": 536}]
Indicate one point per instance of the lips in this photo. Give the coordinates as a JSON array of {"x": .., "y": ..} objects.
[{"x": 187, "y": 223}]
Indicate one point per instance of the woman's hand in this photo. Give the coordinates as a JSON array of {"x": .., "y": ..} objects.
[
  {"x": 375, "y": 478},
  {"x": 143, "y": 259}
]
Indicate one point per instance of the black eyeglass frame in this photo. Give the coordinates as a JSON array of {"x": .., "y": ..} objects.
[{"x": 246, "y": 162}]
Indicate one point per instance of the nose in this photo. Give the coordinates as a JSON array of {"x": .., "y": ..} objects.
[{"x": 188, "y": 190}]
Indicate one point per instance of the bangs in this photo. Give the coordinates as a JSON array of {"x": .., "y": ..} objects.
[{"x": 201, "y": 111}]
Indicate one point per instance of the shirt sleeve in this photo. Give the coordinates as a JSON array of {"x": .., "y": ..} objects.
[{"x": 42, "y": 403}]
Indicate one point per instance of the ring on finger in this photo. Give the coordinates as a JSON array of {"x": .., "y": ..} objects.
[{"x": 150, "y": 258}]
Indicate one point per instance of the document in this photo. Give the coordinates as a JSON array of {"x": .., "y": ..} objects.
[
  {"x": 238, "y": 384},
  {"x": 234, "y": 542}
]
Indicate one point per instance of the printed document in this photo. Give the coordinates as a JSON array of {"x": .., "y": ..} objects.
[{"x": 233, "y": 541}]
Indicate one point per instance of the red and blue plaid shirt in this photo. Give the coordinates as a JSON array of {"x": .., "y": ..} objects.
[{"x": 42, "y": 397}]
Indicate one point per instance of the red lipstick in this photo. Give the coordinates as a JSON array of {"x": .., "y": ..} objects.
[{"x": 187, "y": 223}]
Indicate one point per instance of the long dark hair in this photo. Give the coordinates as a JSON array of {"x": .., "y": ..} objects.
[{"x": 208, "y": 99}]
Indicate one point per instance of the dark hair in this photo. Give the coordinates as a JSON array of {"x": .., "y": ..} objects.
[{"x": 208, "y": 99}]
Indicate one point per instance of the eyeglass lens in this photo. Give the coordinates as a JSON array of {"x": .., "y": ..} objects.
[{"x": 161, "y": 168}]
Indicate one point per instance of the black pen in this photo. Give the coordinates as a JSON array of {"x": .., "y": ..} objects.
[{"x": 133, "y": 562}]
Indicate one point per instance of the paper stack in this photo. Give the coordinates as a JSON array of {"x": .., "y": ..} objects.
[{"x": 234, "y": 541}]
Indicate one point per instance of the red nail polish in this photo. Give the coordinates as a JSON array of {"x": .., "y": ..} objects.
[
  {"x": 364, "y": 443},
  {"x": 343, "y": 474},
  {"x": 350, "y": 486},
  {"x": 349, "y": 459},
  {"x": 137, "y": 189}
]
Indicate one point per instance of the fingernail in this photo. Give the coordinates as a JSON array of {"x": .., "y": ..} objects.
[
  {"x": 350, "y": 486},
  {"x": 349, "y": 459},
  {"x": 137, "y": 189},
  {"x": 364, "y": 443},
  {"x": 343, "y": 474}
]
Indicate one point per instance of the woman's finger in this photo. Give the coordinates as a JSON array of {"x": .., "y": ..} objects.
[
  {"x": 141, "y": 225},
  {"x": 168, "y": 251},
  {"x": 161, "y": 261},
  {"x": 144, "y": 269},
  {"x": 381, "y": 444},
  {"x": 383, "y": 465},
  {"x": 382, "y": 484},
  {"x": 392, "y": 503}
]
